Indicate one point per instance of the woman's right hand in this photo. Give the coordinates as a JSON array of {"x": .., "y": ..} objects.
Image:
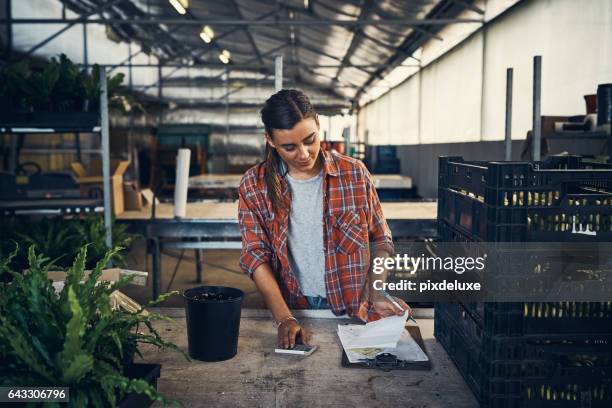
[{"x": 288, "y": 332}]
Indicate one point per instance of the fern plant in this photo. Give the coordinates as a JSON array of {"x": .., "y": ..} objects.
[
  {"x": 60, "y": 87},
  {"x": 60, "y": 238},
  {"x": 72, "y": 338}
]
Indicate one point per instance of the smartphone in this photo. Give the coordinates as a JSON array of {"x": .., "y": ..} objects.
[{"x": 298, "y": 350}]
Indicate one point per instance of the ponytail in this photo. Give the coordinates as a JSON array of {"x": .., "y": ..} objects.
[{"x": 272, "y": 176}]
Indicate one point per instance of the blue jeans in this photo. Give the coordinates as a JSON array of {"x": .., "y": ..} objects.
[{"x": 317, "y": 302}]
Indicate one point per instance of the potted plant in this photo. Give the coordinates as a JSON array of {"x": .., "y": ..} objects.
[
  {"x": 60, "y": 239},
  {"x": 58, "y": 94},
  {"x": 72, "y": 338}
]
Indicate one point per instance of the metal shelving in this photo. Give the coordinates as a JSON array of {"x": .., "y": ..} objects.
[{"x": 53, "y": 206}]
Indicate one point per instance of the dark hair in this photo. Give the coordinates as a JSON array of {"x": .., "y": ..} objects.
[{"x": 283, "y": 110}]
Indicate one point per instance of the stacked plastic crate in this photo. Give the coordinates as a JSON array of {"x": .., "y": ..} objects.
[{"x": 547, "y": 354}]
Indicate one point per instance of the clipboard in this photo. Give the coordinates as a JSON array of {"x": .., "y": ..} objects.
[{"x": 388, "y": 361}]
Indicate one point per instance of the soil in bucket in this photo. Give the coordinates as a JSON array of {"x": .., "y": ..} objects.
[{"x": 213, "y": 322}]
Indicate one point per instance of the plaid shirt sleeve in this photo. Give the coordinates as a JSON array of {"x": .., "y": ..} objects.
[
  {"x": 378, "y": 230},
  {"x": 256, "y": 248}
]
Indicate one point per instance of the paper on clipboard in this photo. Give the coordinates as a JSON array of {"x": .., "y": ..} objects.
[{"x": 386, "y": 335}]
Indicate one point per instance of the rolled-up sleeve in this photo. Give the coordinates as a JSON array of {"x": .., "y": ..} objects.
[
  {"x": 256, "y": 247},
  {"x": 378, "y": 230}
]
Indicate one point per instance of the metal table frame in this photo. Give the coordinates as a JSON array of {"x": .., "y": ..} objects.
[{"x": 199, "y": 234}]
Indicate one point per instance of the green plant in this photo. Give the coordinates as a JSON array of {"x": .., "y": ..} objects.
[
  {"x": 61, "y": 238},
  {"x": 14, "y": 86},
  {"x": 92, "y": 230},
  {"x": 68, "y": 94},
  {"x": 41, "y": 86},
  {"x": 91, "y": 87},
  {"x": 55, "y": 237},
  {"x": 59, "y": 86},
  {"x": 72, "y": 338}
]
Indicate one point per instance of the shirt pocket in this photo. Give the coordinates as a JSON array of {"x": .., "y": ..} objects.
[{"x": 348, "y": 232}]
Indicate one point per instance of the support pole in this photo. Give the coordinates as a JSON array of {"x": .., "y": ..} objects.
[
  {"x": 537, "y": 118},
  {"x": 278, "y": 73},
  {"x": 9, "y": 31},
  {"x": 105, "y": 156},
  {"x": 508, "y": 142},
  {"x": 226, "y": 142},
  {"x": 77, "y": 145},
  {"x": 85, "y": 53}
]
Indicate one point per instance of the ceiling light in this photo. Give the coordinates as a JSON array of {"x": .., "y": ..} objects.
[
  {"x": 180, "y": 5},
  {"x": 207, "y": 34},
  {"x": 306, "y": 4},
  {"x": 225, "y": 56}
]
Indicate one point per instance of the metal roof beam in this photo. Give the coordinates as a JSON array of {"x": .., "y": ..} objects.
[
  {"x": 67, "y": 27},
  {"x": 469, "y": 6},
  {"x": 253, "y": 23},
  {"x": 428, "y": 33},
  {"x": 179, "y": 66},
  {"x": 365, "y": 9},
  {"x": 440, "y": 9},
  {"x": 387, "y": 46},
  {"x": 248, "y": 33},
  {"x": 250, "y": 67},
  {"x": 195, "y": 104}
]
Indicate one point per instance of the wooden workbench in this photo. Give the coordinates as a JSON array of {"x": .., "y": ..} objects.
[
  {"x": 212, "y": 181},
  {"x": 257, "y": 377},
  {"x": 215, "y": 181},
  {"x": 229, "y": 210}
]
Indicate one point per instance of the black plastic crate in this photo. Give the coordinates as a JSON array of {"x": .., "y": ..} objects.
[
  {"x": 464, "y": 354},
  {"x": 531, "y": 372},
  {"x": 530, "y": 318},
  {"x": 547, "y": 318},
  {"x": 462, "y": 319},
  {"x": 560, "y": 199},
  {"x": 554, "y": 393}
]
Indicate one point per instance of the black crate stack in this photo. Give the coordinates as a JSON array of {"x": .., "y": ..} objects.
[{"x": 532, "y": 354}]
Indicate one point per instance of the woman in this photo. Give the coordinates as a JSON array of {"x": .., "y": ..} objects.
[{"x": 309, "y": 221}]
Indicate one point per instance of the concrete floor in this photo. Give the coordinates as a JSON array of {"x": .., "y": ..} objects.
[{"x": 258, "y": 377}]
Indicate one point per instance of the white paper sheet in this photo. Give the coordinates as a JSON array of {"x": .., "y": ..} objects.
[{"x": 381, "y": 333}]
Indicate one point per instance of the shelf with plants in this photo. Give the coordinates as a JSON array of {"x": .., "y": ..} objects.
[{"x": 59, "y": 98}]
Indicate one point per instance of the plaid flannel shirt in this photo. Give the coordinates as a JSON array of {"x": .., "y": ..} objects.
[{"x": 353, "y": 223}]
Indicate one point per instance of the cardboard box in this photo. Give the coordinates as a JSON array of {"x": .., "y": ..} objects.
[
  {"x": 132, "y": 196},
  {"x": 91, "y": 182},
  {"x": 110, "y": 275},
  {"x": 147, "y": 197},
  {"x": 118, "y": 299}
]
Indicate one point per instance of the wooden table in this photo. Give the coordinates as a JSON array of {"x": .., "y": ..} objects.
[
  {"x": 212, "y": 181},
  {"x": 393, "y": 181},
  {"x": 418, "y": 210},
  {"x": 257, "y": 377}
]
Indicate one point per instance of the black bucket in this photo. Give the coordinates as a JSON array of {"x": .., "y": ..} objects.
[
  {"x": 212, "y": 324},
  {"x": 604, "y": 104}
]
